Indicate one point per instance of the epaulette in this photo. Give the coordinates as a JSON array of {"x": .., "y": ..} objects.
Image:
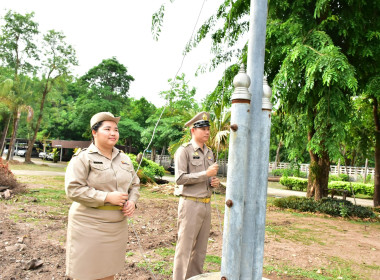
[
  {"x": 208, "y": 148},
  {"x": 185, "y": 144},
  {"x": 79, "y": 150}
]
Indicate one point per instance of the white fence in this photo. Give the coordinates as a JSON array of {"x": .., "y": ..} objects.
[{"x": 353, "y": 172}]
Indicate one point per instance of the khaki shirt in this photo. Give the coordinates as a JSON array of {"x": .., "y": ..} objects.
[
  {"x": 191, "y": 164},
  {"x": 90, "y": 176}
]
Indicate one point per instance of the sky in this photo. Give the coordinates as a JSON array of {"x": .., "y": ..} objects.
[{"x": 122, "y": 28}]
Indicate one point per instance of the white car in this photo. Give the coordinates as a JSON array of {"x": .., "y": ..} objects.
[
  {"x": 6, "y": 152},
  {"x": 21, "y": 153},
  {"x": 42, "y": 155}
]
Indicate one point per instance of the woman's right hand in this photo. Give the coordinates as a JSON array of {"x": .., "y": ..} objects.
[{"x": 116, "y": 198}]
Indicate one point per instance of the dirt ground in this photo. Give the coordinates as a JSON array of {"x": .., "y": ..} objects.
[{"x": 32, "y": 242}]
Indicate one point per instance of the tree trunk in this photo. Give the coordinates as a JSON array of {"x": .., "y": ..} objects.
[
  {"x": 31, "y": 142},
  {"x": 318, "y": 174},
  {"x": 4, "y": 135},
  {"x": 277, "y": 159},
  {"x": 153, "y": 155},
  {"x": 353, "y": 158},
  {"x": 376, "y": 195},
  {"x": 130, "y": 145},
  {"x": 16, "y": 119}
]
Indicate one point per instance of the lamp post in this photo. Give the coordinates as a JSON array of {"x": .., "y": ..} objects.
[{"x": 236, "y": 176}]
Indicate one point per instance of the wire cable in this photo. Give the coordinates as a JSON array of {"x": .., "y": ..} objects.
[{"x": 151, "y": 140}]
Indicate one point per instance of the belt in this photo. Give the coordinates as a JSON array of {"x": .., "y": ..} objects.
[
  {"x": 109, "y": 207},
  {"x": 197, "y": 199}
]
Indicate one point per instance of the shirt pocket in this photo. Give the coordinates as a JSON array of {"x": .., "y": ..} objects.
[
  {"x": 196, "y": 165},
  {"x": 125, "y": 174},
  {"x": 99, "y": 173}
]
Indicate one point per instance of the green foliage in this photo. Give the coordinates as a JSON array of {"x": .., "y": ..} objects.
[
  {"x": 358, "y": 188},
  {"x": 18, "y": 37},
  {"x": 149, "y": 169},
  {"x": 294, "y": 183},
  {"x": 55, "y": 152},
  {"x": 109, "y": 79},
  {"x": 289, "y": 172},
  {"x": 341, "y": 177},
  {"x": 181, "y": 107},
  {"x": 333, "y": 207},
  {"x": 300, "y": 184}
]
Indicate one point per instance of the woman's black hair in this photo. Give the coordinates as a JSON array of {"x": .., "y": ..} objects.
[{"x": 96, "y": 127}]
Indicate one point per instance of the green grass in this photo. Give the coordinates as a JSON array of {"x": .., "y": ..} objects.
[
  {"x": 276, "y": 185},
  {"x": 293, "y": 233},
  {"x": 332, "y": 272},
  {"x": 212, "y": 263},
  {"x": 157, "y": 267},
  {"x": 56, "y": 182},
  {"x": 165, "y": 252},
  {"x": 36, "y": 167}
]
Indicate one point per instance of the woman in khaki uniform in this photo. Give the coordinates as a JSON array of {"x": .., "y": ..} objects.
[{"x": 102, "y": 183}]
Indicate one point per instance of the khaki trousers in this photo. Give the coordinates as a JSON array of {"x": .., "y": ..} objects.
[{"x": 194, "y": 223}]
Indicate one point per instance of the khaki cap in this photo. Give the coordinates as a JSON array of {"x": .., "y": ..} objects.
[
  {"x": 201, "y": 119},
  {"x": 103, "y": 116}
]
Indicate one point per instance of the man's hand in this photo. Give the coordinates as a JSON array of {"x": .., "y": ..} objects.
[
  {"x": 212, "y": 170},
  {"x": 129, "y": 208},
  {"x": 116, "y": 198},
  {"x": 215, "y": 182}
]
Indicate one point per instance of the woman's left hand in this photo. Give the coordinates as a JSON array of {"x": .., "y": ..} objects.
[{"x": 129, "y": 208}]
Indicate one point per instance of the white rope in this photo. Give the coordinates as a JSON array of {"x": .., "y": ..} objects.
[{"x": 151, "y": 140}]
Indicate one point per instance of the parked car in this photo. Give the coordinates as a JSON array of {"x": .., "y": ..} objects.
[
  {"x": 50, "y": 156},
  {"x": 171, "y": 169},
  {"x": 42, "y": 155},
  {"x": 6, "y": 152},
  {"x": 22, "y": 153}
]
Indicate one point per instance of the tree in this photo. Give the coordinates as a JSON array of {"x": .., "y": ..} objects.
[
  {"x": 58, "y": 57},
  {"x": 5, "y": 98},
  {"x": 311, "y": 46},
  {"x": 103, "y": 88},
  {"x": 181, "y": 107},
  {"x": 109, "y": 76},
  {"x": 17, "y": 51},
  {"x": 133, "y": 122}
]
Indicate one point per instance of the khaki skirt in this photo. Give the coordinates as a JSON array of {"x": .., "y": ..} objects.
[{"x": 96, "y": 242}]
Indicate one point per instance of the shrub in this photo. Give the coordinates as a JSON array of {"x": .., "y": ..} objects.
[
  {"x": 149, "y": 169},
  {"x": 294, "y": 183},
  {"x": 289, "y": 172},
  {"x": 358, "y": 188},
  {"x": 330, "y": 206},
  {"x": 8, "y": 180},
  {"x": 341, "y": 177}
]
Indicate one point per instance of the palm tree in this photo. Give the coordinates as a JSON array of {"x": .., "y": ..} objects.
[
  {"x": 5, "y": 90},
  {"x": 15, "y": 98}
]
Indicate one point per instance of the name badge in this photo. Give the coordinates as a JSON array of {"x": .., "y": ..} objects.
[
  {"x": 196, "y": 157},
  {"x": 98, "y": 162}
]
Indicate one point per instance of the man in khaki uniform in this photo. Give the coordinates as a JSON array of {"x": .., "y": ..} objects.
[{"x": 194, "y": 173}]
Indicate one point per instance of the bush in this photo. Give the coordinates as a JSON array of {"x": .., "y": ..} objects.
[
  {"x": 358, "y": 188},
  {"x": 341, "y": 177},
  {"x": 330, "y": 206},
  {"x": 289, "y": 172},
  {"x": 294, "y": 183},
  {"x": 149, "y": 169}
]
